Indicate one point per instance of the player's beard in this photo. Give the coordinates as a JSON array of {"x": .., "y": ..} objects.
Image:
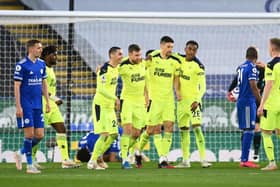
[{"x": 168, "y": 53}]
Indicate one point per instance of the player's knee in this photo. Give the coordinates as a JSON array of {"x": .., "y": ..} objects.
[
  {"x": 277, "y": 132},
  {"x": 28, "y": 136},
  {"x": 61, "y": 130},
  {"x": 39, "y": 136},
  {"x": 150, "y": 130},
  {"x": 268, "y": 132},
  {"x": 157, "y": 129},
  {"x": 168, "y": 127},
  {"x": 59, "y": 127},
  {"x": 127, "y": 129},
  {"x": 135, "y": 135}
]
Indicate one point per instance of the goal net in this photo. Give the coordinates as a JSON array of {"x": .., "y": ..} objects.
[{"x": 83, "y": 40}]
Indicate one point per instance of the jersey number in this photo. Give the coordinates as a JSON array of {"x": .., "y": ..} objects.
[
  {"x": 114, "y": 123},
  {"x": 239, "y": 76}
]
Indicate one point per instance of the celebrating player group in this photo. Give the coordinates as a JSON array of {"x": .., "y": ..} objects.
[{"x": 151, "y": 87}]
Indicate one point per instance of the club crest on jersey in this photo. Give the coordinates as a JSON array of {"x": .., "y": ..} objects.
[
  {"x": 26, "y": 121},
  {"x": 103, "y": 79},
  {"x": 18, "y": 67},
  {"x": 31, "y": 73}
]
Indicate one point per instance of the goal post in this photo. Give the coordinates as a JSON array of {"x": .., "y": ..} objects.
[{"x": 223, "y": 39}]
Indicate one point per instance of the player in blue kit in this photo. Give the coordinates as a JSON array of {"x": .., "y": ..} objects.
[
  {"x": 86, "y": 145},
  {"x": 231, "y": 98},
  {"x": 249, "y": 95},
  {"x": 29, "y": 86}
]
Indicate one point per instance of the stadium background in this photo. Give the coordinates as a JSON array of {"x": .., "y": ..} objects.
[{"x": 87, "y": 51}]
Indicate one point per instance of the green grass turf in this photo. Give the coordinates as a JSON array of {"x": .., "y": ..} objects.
[{"x": 220, "y": 174}]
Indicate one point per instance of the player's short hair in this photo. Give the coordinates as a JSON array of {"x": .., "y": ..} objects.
[
  {"x": 192, "y": 42},
  {"x": 113, "y": 50},
  {"x": 48, "y": 50},
  {"x": 166, "y": 39},
  {"x": 252, "y": 53},
  {"x": 83, "y": 155},
  {"x": 276, "y": 43},
  {"x": 133, "y": 47},
  {"x": 31, "y": 43},
  {"x": 149, "y": 52}
]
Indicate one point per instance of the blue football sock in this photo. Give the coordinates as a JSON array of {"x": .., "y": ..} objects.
[
  {"x": 246, "y": 144},
  {"x": 28, "y": 150}
]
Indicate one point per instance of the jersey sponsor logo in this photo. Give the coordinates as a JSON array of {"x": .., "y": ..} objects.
[
  {"x": 52, "y": 83},
  {"x": 35, "y": 81},
  {"x": 114, "y": 81},
  {"x": 160, "y": 72},
  {"x": 137, "y": 77},
  {"x": 103, "y": 79},
  {"x": 185, "y": 77}
]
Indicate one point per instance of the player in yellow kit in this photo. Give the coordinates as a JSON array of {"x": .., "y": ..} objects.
[
  {"x": 54, "y": 118},
  {"x": 192, "y": 88},
  {"x": 270, "y": 103},
  {"x": 163, "y": 77},
  {"x": 103, "y": 107},
  {"x": 133, "y": 102}
]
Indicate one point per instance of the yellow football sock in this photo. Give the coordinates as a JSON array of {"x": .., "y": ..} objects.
[
  {"x": 61, "y": 141},
  {"x": 185, "y": 144},
  {"x": 200, "y": 142},
  {"x": 268, "y": 146}
]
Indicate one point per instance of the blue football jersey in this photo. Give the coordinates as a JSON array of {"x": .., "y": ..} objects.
[
  {"x": 89, "y": 140},
  {"x": 31, "y": 76},
  {"x": 246, "y": 72}
]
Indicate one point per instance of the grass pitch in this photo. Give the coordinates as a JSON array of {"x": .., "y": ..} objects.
[{"x": 220, "y": 174}]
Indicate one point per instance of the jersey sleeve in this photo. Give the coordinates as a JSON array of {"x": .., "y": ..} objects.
[
  {"x": 201, "y": 82},
  {"x": 177, "y": 68},
  {"x": 233, "y": 84},
  {"x": 18, "y": 74},
  {"x": 103, "y": 80},
  {"x": 179, "y": 60},
  {"x": 268, "y": 74},
  {"x": 44, "y": 74},
  {"x": 253, "y": 74}
]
